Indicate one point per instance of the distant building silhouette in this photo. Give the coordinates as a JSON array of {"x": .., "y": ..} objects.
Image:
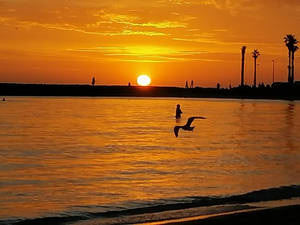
[
  {"x": 93, "y": 81},
  {"x": 243, "y": 66},
  {"x": 290, "y": 42}
]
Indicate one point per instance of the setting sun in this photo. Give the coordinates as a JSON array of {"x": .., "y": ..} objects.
[{"x": 143, "y": 80}]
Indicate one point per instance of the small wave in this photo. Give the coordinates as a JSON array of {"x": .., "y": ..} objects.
[{"x": 139, "y": 208}]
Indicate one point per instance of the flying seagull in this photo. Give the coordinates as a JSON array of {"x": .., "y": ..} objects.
[{"x": 187, "y": 126}]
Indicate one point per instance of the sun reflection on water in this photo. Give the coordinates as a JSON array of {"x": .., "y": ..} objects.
[{"x": 61, "y": 152}]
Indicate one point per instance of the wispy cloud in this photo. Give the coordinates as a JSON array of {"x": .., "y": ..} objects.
[
  {"x": 133, "y": 21},
  {"x": 177, "y": 2},
  {"x": 81, "y": 29},
  {"x": 138, "y": 50},
  {"x": 199, "y": 40},
  {"x": 131, "y": 32},
  {"x": 143, "y": 53},
  {"x": 205, "y": 37},
  {"x": 235, "y": 6}
]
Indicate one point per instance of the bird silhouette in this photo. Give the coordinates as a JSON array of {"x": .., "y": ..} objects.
[{"x": 187, "y": 126}]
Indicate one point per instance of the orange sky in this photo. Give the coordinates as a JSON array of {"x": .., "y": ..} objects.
[{"x": 69, "y": 41}]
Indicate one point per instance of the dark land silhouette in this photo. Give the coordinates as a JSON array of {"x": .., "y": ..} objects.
[{"x": 275, "y": 91}]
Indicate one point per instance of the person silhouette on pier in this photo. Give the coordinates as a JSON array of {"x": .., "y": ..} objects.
[
  {"x": 178, "y": 112},
  {"x": 186, "y": 84}
]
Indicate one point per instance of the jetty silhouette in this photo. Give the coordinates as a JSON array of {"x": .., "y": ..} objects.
[{"x": 275, "y": 91}]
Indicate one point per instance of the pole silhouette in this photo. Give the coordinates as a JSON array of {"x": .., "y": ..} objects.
[
  {"x": 255, "y": 55},
  {"x": 243, "y": 66},
  {"x": 273, "y": 61}
]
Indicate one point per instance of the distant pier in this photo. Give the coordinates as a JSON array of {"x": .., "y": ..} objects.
[{"x": 276, "y": 91}]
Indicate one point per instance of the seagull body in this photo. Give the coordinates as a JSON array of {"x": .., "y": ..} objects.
[{"x": 187, "y": 126}]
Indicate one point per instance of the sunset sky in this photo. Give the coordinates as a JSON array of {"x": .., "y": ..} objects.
[{"x": 69, "y": 41}]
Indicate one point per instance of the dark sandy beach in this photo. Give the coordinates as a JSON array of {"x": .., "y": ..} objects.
[
  {"x": 286, "y": 215},
  {"x": 215, "y": 215}
]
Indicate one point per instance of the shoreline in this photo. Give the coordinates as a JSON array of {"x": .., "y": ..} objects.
[
  {"x": 283, "y": 215},
  {"x": 275, "y": 212},
  {"x": 245, "y": 214}
]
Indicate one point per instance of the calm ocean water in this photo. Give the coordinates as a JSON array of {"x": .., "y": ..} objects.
[{"x": 73, "y": 156}]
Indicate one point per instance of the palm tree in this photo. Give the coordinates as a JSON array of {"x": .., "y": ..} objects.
[
  {"x": 293, "y": 59},
  {"x": 255, "y": 55},
  {"x": 290, "y": 42},
  {"x": 243, "y": 65}
]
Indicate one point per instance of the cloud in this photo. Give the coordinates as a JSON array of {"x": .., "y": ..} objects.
[
  {"x": 74, "y": 28},
  {"x": 142, "y": 53},
  {"x": 202, "y": 24},
  {"x": 131, "y": 32},
  {"x": 176, "y": 2},
  {"x": 237, "y": 5},
  {"x": 199, "y": 40},
  {"x": 138, "y": 50},
  {"x": 133, "y": 21},
  {"x": 204, "y": 37},
  {"x": 237, "y": 43}
]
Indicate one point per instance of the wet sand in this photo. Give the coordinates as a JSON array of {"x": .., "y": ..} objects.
[
  {"x": 286, "y": 215},
  {"x": 215, "y": 215}
]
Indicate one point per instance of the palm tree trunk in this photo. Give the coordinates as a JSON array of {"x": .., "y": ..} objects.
[
  {"x": 289, "y": 67},
  {"x": 242, "y": 73},
  {"x": 293, "y": 67},
  {"x": 254, "y": 82}
]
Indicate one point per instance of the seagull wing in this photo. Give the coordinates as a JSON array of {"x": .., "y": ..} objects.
[
  {"x": 176, "y": 130},
  {"x": 191, "y": 119}
]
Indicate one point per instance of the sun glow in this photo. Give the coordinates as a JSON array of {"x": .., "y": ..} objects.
[{"x": 143, "y": 80}]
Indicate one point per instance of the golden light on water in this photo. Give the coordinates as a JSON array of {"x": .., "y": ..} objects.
[
  {"x": 138, "y": 158},
  {"x": 143, "y": 80}
]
